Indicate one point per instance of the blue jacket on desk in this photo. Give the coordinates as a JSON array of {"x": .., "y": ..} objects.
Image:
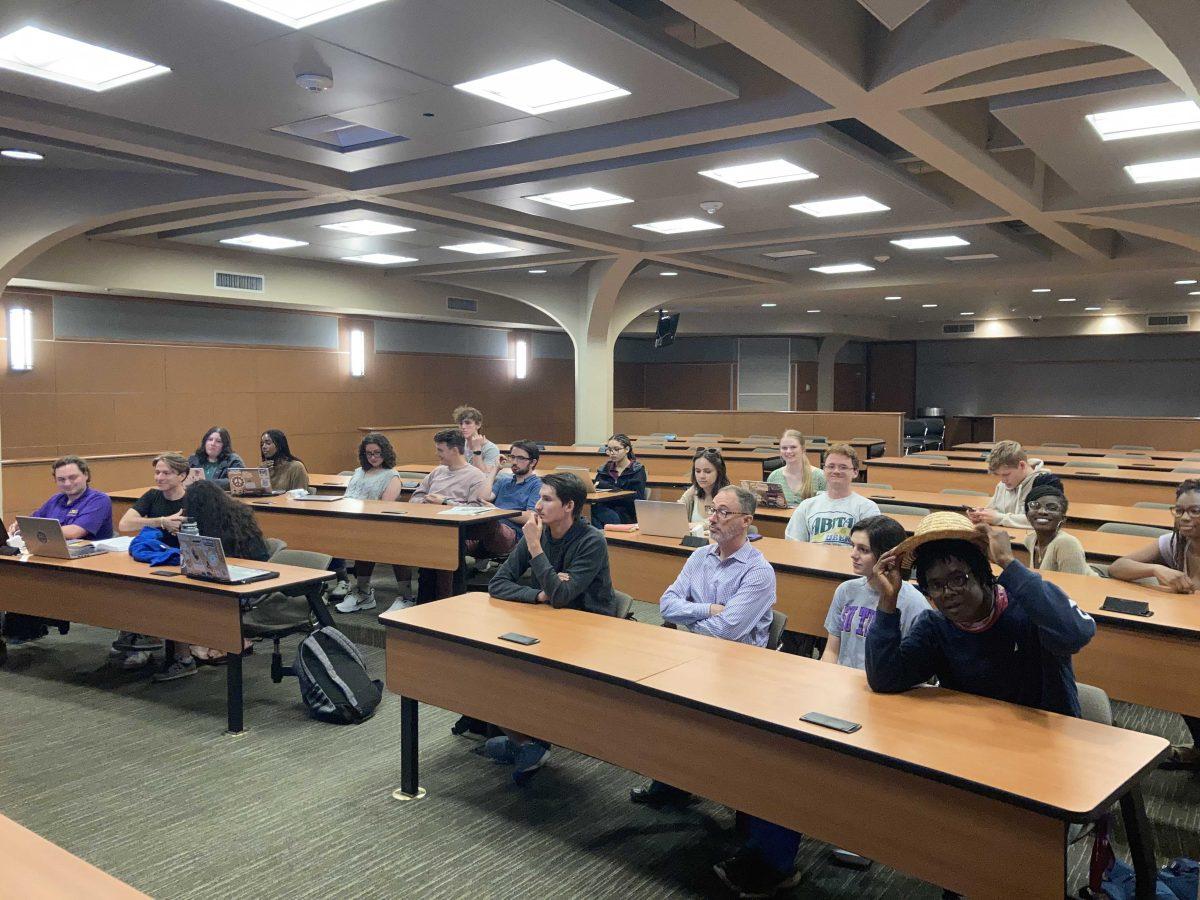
[{"x": 1025, "y": 657}]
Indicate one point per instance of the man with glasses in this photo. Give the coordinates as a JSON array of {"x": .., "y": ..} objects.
[
  {"x": 827, "y": 517},
  {"x": 519, "y": 488}
]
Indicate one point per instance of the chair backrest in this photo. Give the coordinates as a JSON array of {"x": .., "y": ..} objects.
[
  {"x": 305, "y": 559},
  {"x": 624, "y": 603},
  {"x": 778, "y": 626},
  {"x": 346, "y": 472},
  {"x": 1150, "y": 504},
  {"x": 935, "y": 427},
  {"x": 816, "y": 439},
  {"x": 274, "y": 545},
  {"x": 1093, "y": 464},
  {"x": 933, "y": 456},
  {"x": 762, "y": 437},
  {"x": 411, "y": 476},
  {"x": 773, "y": 451},
  {"x": 965, "y": 492},
  {"x": 875, "y": 485},
  {"x": 770, "y": 465},
  {"x": 1094, "y": 705},
  {"x": 1129, "y": 528},
  {"x": 899, "y": 509},
  {"x": 659, "y": 434},
  {"x": 651, "y": 445},
  {"x": 914, "y": 428},
  {"x": 1059, "y": 444},
  {"x": 1126, "y": 455},
  {"x": 1131, "y": 447},
  {"x": 1186, "y": 469}
]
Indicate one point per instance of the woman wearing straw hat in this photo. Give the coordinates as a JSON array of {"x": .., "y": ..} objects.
[{"x": 1009, "y": 638}]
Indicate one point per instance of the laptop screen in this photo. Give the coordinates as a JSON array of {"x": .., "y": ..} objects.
[{"x": 202, "y": 556}]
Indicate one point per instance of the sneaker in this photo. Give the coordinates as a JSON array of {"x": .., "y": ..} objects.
[
  {"x": 748, "y": 876},
  {"x": 656, "y": 793},
  {"x": 1181, "y": 758},
  {"x": 850, "y": 860},
  {"x": 357, "y": 599},
  {"x": 500, "y": 749},
  {"x": 467, "y": 727},
  {"x": 129, "y": 641},
  {"x": 339, "y": 590},
  {"x": 400, "y": 604},
  {"x": 178, "y": 669},
  {"x": 530, "y": 757},
  {"x": 135, "y": 659}
]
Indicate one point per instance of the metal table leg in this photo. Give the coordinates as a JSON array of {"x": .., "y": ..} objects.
[
  {"x": 1141, "y": 843},
  {"x": 233, "y": 694},
  {"x": 409, "y": 789}
]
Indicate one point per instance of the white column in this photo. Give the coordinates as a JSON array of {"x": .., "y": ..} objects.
[{"x": 826, "y": 357}]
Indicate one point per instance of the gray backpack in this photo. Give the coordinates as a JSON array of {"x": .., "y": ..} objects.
[{"x": 334, "y": 683}]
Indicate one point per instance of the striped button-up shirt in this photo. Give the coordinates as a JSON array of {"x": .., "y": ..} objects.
[{"x": 744, "y": 583}]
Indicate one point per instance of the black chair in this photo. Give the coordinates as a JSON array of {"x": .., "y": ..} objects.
[
  {"x": 914, "y": 435},
  {"x": 290, "y": 611},
  {"x": 770, "y": 465}
]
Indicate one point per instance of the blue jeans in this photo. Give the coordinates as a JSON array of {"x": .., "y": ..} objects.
[
  {"x": 603, "y": 514},
  {"x": 775, "y": 844}
]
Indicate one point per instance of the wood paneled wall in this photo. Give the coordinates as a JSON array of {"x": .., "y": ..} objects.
[
  {"x": 1100, "y": 431},
  {"x": 683, "y": 385}
]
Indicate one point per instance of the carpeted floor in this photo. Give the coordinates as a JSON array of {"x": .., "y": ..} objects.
[{"x": 139, "y": 780}]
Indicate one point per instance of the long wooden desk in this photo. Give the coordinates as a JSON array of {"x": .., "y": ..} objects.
[
  {"x": 740, "y": 465},
  {"x": 1152, "y": 661},
  {"x": 336, "y": 484},
  {"x": 36, "y": 869},
  {"x": 1040, "y": 450},
  {"x": 1054, "y": 461},
  {"x": 815, "y": 452},
  {"x": 1003, "y": 780},
  {"x": 1121, "y": 487},
  {"x": 112, "y": 590}
]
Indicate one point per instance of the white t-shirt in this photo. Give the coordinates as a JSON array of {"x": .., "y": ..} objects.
[{"x": 820, "y": 520}]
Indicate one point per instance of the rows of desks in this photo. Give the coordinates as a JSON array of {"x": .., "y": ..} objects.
[
  {"x": 930, "y": 772},
  {"x": 1054, "y": 461},
  {"x": 741, "y": 465},
  {"x": 864, "y": 446},
  {"x": 1039, "y": 451}
]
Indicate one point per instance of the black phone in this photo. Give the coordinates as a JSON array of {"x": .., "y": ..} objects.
[
  {"x": 1128, "y": 607},
  {"x": 394, "y": 512},
  {"x": 519, "y": 638},
  {"x": 816, "y": 718},
  {"x": 695, "y": 540}
]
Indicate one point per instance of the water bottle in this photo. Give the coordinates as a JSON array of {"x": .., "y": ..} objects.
[{"x": 189, "y": 526}]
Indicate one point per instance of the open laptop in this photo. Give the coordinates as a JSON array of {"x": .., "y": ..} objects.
[
  {"x": 664, "y": 518},
  {"x": 44, "y": 537},
  {"x": 251, "y": 483},
  {"x": 767, "y": 494},
  {"x": 204, "y": 558}
]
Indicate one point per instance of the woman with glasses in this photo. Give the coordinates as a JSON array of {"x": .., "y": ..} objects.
[
  {"x": 1050, "y": 548},
  {"x": 622, "y": 472},
  {"x": 708, "y": 477},
  {"x": 1173, "y": 560},
  {"x": 799, "y": 478}
]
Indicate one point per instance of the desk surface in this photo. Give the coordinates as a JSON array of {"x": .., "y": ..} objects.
[
  {"x": 330, "y": 482},
  {"x": 1055, "y": 461},
  {"x": 35, "y": 869},
  {"x": 1039, "y": 450},
  {"x": 729, "y": 443},
  {"x": 1057, "y": 765},
  {"x": 884, "y": 463},
  {"x": 731, "y": 453}
]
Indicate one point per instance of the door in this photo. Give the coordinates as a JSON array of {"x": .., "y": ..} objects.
[{"x": 892, "y": 378}]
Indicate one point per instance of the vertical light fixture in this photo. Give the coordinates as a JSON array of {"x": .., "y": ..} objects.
[
  {"x": 358, "y": 353},
  {"x": 521, "y": 357},
  {"x": 20, "y": 339}
]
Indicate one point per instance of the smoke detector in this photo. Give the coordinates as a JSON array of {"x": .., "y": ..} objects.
[
  {"x": 882, "y": 259},
  {"x": 314, "y": 83},
  {"x": 711, "y": 206}
]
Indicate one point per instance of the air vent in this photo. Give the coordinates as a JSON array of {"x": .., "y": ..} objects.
[
  {"x": 959, "y": 328},
  {"x": 1160, "y": 321},
  {"x": 462, "y": 304},
  {"x": 235, "y": 281}
]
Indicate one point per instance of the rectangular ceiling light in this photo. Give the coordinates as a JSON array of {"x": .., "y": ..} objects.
[
  {"x": 774, "y": 171},
  {"x": 842, "y": 269},
  {"x": 679, "y": 226},
  {"x": 1140, "y": 121},
  {"x": 970, "y": 257},
  {"x": 48, "y": 55},
  {"x": 543, "y": 87},
  {"x": 843, "y": 206},
  {"x": 580, "y": 198},
  {"x": 521, "y": 358},
  {"x": 368, "y": 227},
  {"x": 930, "y": 243},
  {"x": 784, "y": 254},
  {"x": 479, "y": 248},
  {"x": 380, "y": 259},
  {"x": 299, "y": 13},
  {"x": 264, "y": 242},
  {"x": 20, "y": 339},
  {"x": 358, "y": 353},
  {"x": 1170, "y": 170}
]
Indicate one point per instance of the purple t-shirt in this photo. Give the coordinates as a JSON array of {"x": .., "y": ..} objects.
[{"x": 91, "y": 511}]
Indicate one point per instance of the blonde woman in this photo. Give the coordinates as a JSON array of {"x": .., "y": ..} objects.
[{"x": 799, "y": 478}]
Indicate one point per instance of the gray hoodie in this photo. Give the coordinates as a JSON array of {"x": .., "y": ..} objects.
[{"x": 1011, "y": 503}]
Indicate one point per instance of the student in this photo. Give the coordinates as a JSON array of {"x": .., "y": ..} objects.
[
  {"x": 1009, "y": 638},
  {"x": 726, "y": 589},
  {"x": 218, "y": 515},
  {"x": 827, "y": 517},
  {"x": 519, "y": 488},
  {"x": 479, "y": 451},
  {"x": 799, "y": 478},
  {"x": 287, "y": 471},
  {"x": 162, "y": 506},
  {"x": 1173, "y": 560},
  {"x": 1050, "y": 548},
  {"x": 216, "y": 457},
  {"x": 622, "y": 472},
  {"x": 375, "y": 478},
  {"x": 567, "y": 561},
  {"x": 1016, "y": 471},
  {"x": 708, "y": 478}
]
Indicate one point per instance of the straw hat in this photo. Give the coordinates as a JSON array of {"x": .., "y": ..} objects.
[{"x": 939, "y": 526}]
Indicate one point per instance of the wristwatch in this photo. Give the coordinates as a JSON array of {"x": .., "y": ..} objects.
[{"x": 477, "y": 452}]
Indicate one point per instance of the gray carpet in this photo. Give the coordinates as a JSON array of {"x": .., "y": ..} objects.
[{"x": 139, "y": 780}]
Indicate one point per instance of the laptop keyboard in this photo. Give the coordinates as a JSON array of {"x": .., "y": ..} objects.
[{"x": 239, "y": 572}]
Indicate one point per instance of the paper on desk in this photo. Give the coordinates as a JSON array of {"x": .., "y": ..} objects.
[
  {"x": 115, "y": 544},
  {"x": 464, "y": 511}
]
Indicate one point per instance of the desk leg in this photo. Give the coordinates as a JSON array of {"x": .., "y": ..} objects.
[
  {"x": 233, "y": 694},
  {"x": 409, "y": 789},
  {"x": 1141, "y": 843},
  {"x": 316, "y": 603},
  {"x": 460, "y": 574}
]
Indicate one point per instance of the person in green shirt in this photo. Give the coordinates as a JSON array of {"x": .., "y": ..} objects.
[{"x": 799, "y": 478}]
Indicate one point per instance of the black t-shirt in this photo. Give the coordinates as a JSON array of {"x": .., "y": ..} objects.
[{"x": 153, "y": 505}]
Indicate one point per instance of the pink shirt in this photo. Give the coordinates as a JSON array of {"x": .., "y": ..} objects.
[{"x": 464, "y": 485}]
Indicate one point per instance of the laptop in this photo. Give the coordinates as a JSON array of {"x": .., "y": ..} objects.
[
  {"x": 203, "y": 558},
  {"x": 664, "y": 518},
  {"x": 251, "y": 483},
  {"x": 44, "y": 537},
  {"x": 768, "y": 494}
]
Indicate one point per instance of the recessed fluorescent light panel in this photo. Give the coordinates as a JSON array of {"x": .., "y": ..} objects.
[
  {"x": 580, "y": 198},
  {"x": 1170, "y": 170},
  {"x": 1040, "y": 291},
  {"x": 971, "y": 257},
  {"x": 48, "y": 55},
  {"x": 537, "y": 271},
  {"x": 1066, "y": 299},
  {"x": 769, "y": 305},
  {"x": 543, "y": 87},
  {"x": 358, "y": 353},
  {"x": 31, "y": 156},
  {"x": 893, "y": 297},
  {"x": 843, "y": 206},
  {"x": 264, "y": 242},
  {"x": 1145, "y": 120},
  {"x": 814, "y": 310},
  {"x": 1091, "y": 309},
  {"x": 679, "y": 226},
  {"x": 842, "y": 269},
  {"x": 928, "y": 306},
  {"x": 367, "y": 227},
  {"x": 785, "y": 254},
  {"x": 668, "y": 274},
  {"x": 300, "y": 13},
  {"x": 930, "y": 243},
  {"x": 775, "y": 171},
  {"x": 380, "y": 259},
  {"x": 479, "y": 248},
  {"x": 966, "y": 313},
  {"x": 1180, "y": 281},
  {"x": 20, "y": 339}
]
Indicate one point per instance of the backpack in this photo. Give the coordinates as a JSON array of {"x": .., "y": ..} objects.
[{"x": 334, "y": 683}]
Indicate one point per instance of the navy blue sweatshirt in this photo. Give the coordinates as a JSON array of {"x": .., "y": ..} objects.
[
  {"x": 632, "y": 479},
  {"x": 1025, "y": 657}
]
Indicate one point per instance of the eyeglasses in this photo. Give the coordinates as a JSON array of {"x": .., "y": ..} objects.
[
  {"x": 829, "y": 468},
  {"x": 515, "y": 458},
  {"x": 720, "y": 513},
  {"x": 611, "y": 450},
  {"x": 953, "y": 584},
  {"x": 1039, "y": 506},
  {"x": 374, "y": 453},
  {"x": 1181, "y": 511}
]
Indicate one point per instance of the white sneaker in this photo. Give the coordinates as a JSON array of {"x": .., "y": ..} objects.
[
  {"x": 399, "y": 605},
  {"x": 135, "y": 660},
  {"x": 339, "y": 590},
  {"x": 357, "y": 599}
]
